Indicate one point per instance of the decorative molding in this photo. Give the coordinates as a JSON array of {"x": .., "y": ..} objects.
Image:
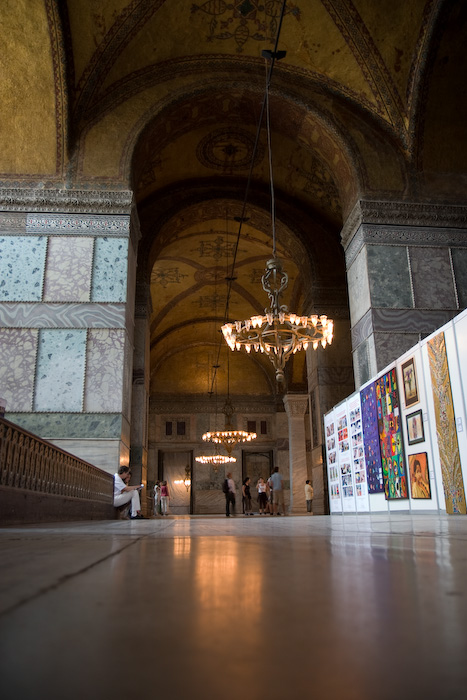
[
  {"x": 296, "y": 405},
  {"x": 82, "y": 224},
  {"x": 407, "y": 214},
  {"x": 174, "y": 405},
  {"x": 12, "y": 223},
  {"x": 38, "y": 199}
]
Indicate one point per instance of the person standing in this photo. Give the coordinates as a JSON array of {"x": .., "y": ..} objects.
[
  {"x": 123, "y": 493},
  {"x": 262, "y": 495},
  {"x": 165, "y": 496},
  {"x": 308, "y": 495},
  {"x": 229, "y": 491},
  {"x": 278, "y": 491},
  {"x": 246, "y": 497},
  {"x": 157, "y": 498}
]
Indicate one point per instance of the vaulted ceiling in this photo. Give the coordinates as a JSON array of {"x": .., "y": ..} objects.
[{"x": 164, "y": 97}]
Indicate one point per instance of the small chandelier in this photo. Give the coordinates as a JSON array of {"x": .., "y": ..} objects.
[
  {"x": 279, "y": 333},
  {"x": 187, "y": 480},
  {"x": 229, "y": 437},
  {"x": 215, "y": 460}
]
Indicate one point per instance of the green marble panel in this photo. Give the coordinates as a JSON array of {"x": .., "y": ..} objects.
[
  {"x": 388, "y": 272},
  {"x": 459, "y": 262},
  {"x": 63, "y": 425}
]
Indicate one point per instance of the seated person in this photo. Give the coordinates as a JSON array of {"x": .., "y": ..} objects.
[{"x": 126, "y": 494}]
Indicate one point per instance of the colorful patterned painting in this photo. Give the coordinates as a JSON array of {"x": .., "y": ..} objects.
[
  {"x": 390, "y": 437},
  {"x": 374, "y": 467},
  {"x": 448, "y": 445}
]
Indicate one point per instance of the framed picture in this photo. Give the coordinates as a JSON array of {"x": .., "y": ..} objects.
[
  {"x": 409, "y": 380},
  {"x": 415, "y": 431},
  {"x": 419, "y": 476}
]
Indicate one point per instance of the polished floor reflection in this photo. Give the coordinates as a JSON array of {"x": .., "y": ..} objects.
[{"x": 354, "y": 607}]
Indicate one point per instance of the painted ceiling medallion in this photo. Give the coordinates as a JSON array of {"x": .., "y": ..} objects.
[
  {"x": 242, "y": 20},
  {"x": 228, "y": 149}
]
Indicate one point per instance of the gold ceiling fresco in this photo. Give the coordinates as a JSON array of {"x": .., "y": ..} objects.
[{"x": 164, "y": 97}]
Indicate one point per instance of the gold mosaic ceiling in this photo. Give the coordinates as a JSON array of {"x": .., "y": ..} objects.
[{"x": 164, "y": 96}]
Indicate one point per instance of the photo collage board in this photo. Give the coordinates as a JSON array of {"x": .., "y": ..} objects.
[
  {"x": 335, "y": 493},
  {"x": 358, "y": 454},
  {"x": 345, "y": 458}
]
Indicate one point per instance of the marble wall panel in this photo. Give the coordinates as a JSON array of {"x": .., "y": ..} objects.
[
  {"x": 388, "y": 271},
  {"x": 60, "y": 370},
  {"x": 109, "y": 277},
  {"x": 69, "y": 425},
  {"x": 104, "y": 370},
  {"x": 21, "y": 315},
  {"x": 432, "y": 279},
  {"x": 22, "y": 261},
  {"x": 68, "y": 269},
  {"x": 105, "y": 454},
  {"x": 459, "y": 262},
  {"x": 18, "y": 349},
  {"x": 359, "y": 290}
]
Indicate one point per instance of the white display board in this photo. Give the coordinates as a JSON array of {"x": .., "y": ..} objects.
[
  {"x": 334, "y": 482},
  {"x": 358, "y": 454},
  {"x": 345, "y": 458}
]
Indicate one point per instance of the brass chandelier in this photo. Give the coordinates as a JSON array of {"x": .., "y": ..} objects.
[
  {"x": 278, "y": 333},
  {"x": 230, "y": 436}
]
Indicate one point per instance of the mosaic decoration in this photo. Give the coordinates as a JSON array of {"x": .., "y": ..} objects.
[
  {"x": 60, "y": 370},
  {"x": 371, "y": 444},
  {"x": 243, "y": 20},
  {"x": 109, "y": 277},
  {"x": 228, "y": 150},
  {"x": 68, "y": 269},
  {"x": 22, "y": 260},
  {"x": 212, "y": 302},
  {"x": 104, "y": 370},
  {"x": 18, "y": 357},
  {"x": 216, "y": 249},
  {"x": 170, "y": 275},
  {"x": 448, "y": 445},
  {"x": 390, "y": 437}
]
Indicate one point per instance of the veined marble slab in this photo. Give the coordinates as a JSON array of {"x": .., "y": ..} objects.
[
  {"x": 22, "y": 261},
  {"x": 109, "y": 278},
  {"x": 104, "y": 370},
  {"x": 18, "y": 315},
  {"x": 18, "y": 349},
  {"x": 68, "y": 269},
  {"x": 60, "y": 370},
  {"x": 69, "y": 425}
]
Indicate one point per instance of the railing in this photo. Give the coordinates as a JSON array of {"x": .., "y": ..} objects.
[{"x": 27, "y": 462}]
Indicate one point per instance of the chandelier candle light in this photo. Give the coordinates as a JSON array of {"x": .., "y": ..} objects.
[{"x": 229, "y": 437}]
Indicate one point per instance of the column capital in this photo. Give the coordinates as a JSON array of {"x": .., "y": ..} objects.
[{"x": 295, "y": 405}]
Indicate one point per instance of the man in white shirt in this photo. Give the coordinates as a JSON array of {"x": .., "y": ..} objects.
[
  {"x": 124, "y": 493},
  {"x": 229, "y": 492},
  {"x": 308, "y": 495}
]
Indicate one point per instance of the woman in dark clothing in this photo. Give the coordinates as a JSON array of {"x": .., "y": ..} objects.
[{"x": 246, "y": 496}]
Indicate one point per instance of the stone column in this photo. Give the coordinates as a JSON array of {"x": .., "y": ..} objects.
[
  {"x": 295, "y": 406},
  {"x": 406, "y": 264}
]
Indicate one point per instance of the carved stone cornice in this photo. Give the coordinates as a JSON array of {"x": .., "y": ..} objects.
[
  {"x": 174, "y": 405},
  {"x": 296, "y": 405},
  {"x": 38, "y": 199},
  {"x": 392, "y": 213}
]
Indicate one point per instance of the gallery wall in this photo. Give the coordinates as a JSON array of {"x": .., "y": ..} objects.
[{"x": 400, "y": 442}]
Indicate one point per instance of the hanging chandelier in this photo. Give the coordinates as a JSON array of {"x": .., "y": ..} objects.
[
  {"x": 230, "y": 436},
  {"x": 278, "y": 333},
  {"x": 215, "y": 460}
]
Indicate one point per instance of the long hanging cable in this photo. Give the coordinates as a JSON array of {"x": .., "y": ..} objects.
[{"x": 272, "y": 56}]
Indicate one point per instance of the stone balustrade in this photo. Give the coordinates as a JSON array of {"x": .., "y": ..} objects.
[{"x": 40, "y": 482}]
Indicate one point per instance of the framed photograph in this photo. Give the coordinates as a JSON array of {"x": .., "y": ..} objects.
[
  {"x": 419, "y": 476},
  {"x": 409, "y": 380},
  {"x": 415, "y": 431}
]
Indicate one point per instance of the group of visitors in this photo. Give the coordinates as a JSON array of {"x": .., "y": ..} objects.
[{"x": 270, "y": 495}]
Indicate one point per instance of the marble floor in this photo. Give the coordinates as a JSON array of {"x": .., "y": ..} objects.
[{"x": 353, "y": 607}]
